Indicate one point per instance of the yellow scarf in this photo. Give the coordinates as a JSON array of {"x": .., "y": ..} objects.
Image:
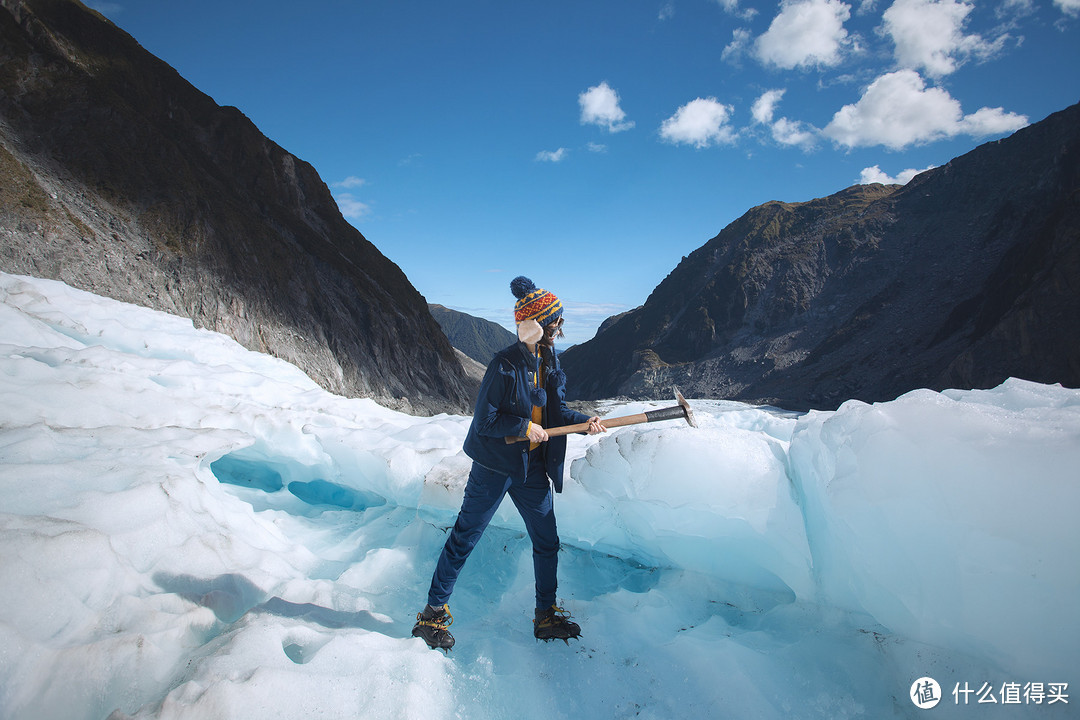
[{"x": 537, "y": 411}]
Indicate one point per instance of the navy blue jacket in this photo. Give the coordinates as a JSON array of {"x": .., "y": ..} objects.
[{"x": 504, "y": 408}]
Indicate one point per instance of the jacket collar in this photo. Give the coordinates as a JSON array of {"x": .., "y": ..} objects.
[{"x": 530, "y": 359}]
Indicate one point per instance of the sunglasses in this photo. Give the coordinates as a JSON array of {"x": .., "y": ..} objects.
[{"x": 554, "y": 329}]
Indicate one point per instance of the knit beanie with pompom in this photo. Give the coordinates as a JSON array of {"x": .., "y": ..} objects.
[{"x": 534, "y": 303}]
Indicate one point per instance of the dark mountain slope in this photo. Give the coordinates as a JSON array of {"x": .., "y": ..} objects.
[
  {"x": 966, "y": 276},
  {"x": 478, "y": 338},
  {"x": 121, "y": 178}
]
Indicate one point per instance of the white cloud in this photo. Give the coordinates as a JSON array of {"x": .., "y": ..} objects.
[
  {"x": 701, "y": 122},
  {"x": 991, "y": 121},
  {"x": 784, "y": 130},
  {"x": 806, "y": 33},
  {"x": 600, "y": 106},
  {"x": 876, "y": 175},
  {"x": 351, "y": 207},
  {"x": 740, "y": 40},
  {"x": 794, "y": 132},
  {"x": 732, "y": 7},
  {"x": 929, "y": 35},
  {"x": 764, "y": 107},
  {"x": 1069, "y": 7},
  {"x": 594, "y": 311},
  {"x": 351, "y": 182},
  {"x": 667, "y": 10},
  {"x": 552, "y": 155},
  {"x": 597, "y": 147},
  {"x": 348, "y": 204},
  {"x": 898, "y": 110},
  {"x": 1017, "y": 8}
]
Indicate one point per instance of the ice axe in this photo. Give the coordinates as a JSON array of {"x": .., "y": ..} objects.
[{"x": 675, "y": 412}]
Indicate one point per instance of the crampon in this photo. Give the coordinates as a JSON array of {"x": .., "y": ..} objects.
[
  {"x": 554, "y": 624},
  {"x": 431, "y": 625}
]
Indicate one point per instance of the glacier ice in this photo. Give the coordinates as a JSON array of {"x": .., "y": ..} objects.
[{"x": 192, "y": 530}]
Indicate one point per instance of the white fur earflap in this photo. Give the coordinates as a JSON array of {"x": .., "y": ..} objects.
[{"x": 530, "y": 332}]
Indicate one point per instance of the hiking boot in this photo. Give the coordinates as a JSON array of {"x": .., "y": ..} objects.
[
  {"x": 431, "y": 625},
  {"x": 554, "y": 624}
]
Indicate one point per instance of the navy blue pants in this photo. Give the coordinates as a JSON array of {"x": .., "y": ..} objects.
[{"x": 483, "y": 493}]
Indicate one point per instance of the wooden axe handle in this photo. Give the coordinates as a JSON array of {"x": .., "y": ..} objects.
[
  {"x": 675, "y": 412},
  {"x": 584, "y": 427},
  {"x": 671, "y": 413}
]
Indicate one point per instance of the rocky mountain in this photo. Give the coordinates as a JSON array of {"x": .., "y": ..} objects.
[
  {"x": 965, "y": 276},
  {"x": 478, "y": 338},
  {"x": 119, "y": 177}
]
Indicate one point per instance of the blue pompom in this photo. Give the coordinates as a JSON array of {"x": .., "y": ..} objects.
[
  {"x": 521, "y": 286},
  {"x": 538, "y": 397}
]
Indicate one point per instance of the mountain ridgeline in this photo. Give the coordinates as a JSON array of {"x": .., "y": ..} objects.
[
  {"x": 119, "y": 177},
  {"x": 967, "y": 275},
  {"x": 478, "y": 338}
]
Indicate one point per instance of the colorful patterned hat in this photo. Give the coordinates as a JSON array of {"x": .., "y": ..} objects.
[{"x": 534, "y": 303}]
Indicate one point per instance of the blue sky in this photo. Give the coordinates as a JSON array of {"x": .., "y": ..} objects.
[{"x": 592, "y": 144}]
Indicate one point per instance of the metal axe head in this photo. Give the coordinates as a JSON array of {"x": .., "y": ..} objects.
[{"x": 686, "y": 408}]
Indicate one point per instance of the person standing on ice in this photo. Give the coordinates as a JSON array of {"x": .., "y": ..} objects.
[{"x": 521, "y": 394}]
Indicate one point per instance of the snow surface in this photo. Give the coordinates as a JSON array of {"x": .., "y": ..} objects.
[{"x": 192, "y": 530}]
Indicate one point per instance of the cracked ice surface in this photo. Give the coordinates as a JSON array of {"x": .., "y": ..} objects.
[{"x": 192, "y": 530}]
